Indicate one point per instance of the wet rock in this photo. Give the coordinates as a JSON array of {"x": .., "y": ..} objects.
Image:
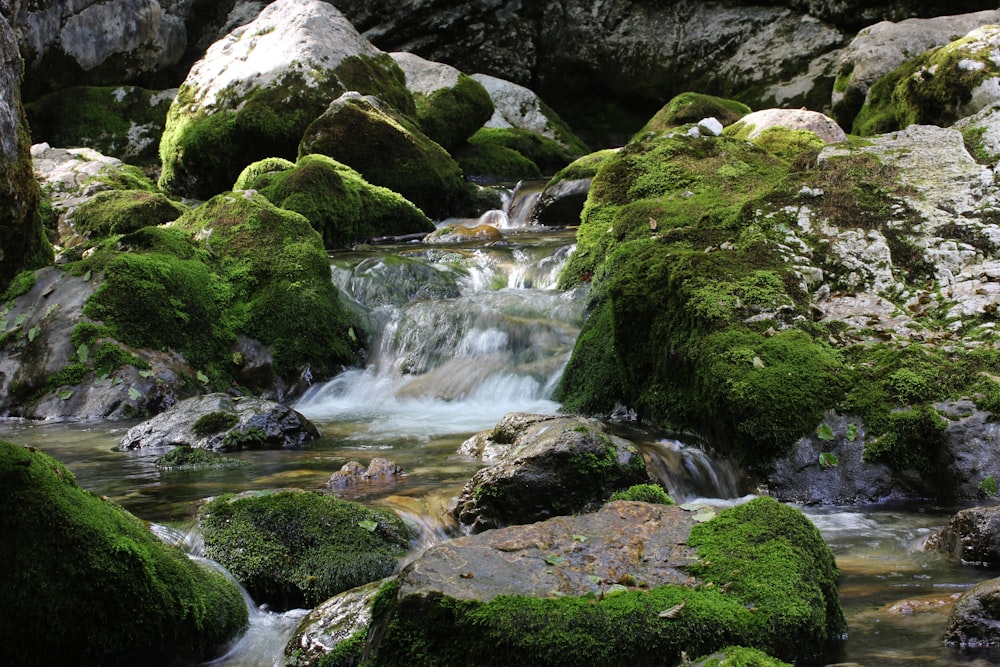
[
  {"x": 551, "y": 466},
  {"x": 462, "y": 234},
  {"x": 880, "y": 48},
  {"x": 335, "y": 621},
  {"x": 353, "y": 474},
  {"x": 975, "y": 620},
  {"x": 972, "y": 536},
  {"x": 223, "y": 423}
]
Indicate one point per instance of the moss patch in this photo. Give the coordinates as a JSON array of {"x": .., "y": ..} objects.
[
  {"x": 768, "y": 582},
  {"x": 692, "y": 107},
  {"x": 646, "y": 493},
  {"x": 546, "y": 154},
  {"x": 85, "y": 582},
  {"x": 123, "y": 211},
  {"x": 295, "y": 549},
  {"x": 449, "y": 116}
]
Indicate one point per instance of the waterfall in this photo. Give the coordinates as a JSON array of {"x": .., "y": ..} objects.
[
  {"x": 461, "y": 336},
  {"x": 688, "y": 472}
]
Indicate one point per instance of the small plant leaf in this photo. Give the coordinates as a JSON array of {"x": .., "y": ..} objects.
[
  {"x": 64, "y": 394},
  {"x": 674, "y": 611},
  {"x": 33, "y": 332},
  {"x": 693, "y": 507},
  {"x": 83, "y": 352},
  {"x": 580, "y": 538},
  {"x": 134, "y": 394},
  {"x": 202, "y": 378},
  {"x": 19, "y": 320},
  {"x": 145, "y": 374},
  {"x": 704, "y": 514},
  {"x": 555, "y": 560},
  {"x": 86, "y": 276},
  {"x": 989, "y": 486},
  {"x": 368, "y": 525},
  {"x": 615, "y": 589},
  {"x": 594, "y": 579},
  {"x": 824, "y": 432},
  {"x": 758, "y": 362},
  {"x": 828, "y": 460},
  {"x": 852, "y": 432},
  {"x": 3, "y": 323}
]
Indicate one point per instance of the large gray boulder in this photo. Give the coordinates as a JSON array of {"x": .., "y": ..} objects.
[
  {"x": 881, "y": 48},
  {"x": 542, "y": 467},
  {"x": 256, "y": 90},
  {"x": 222, "y": 423}
]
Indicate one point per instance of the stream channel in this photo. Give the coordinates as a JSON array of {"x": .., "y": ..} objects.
[{"x": 467, "y": 334}]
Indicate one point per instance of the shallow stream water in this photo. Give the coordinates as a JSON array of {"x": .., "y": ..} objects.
[{"x": 491, "y": 337}]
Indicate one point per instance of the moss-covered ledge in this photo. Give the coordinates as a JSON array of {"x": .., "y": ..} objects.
[{"x": 757, "y": 575}]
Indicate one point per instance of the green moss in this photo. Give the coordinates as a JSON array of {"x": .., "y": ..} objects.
[
  {"x": 768, "y": 582},
  {"x": 260, "y": 174},
  {"x": 548, "y": 155},
  {"x": 646, "y": 493},
  {"x": 780, "y": 141},
  {"x": 336, "y": 200},
  {"x": 298, "y": 549},
  {"x": 214, "y": 422},
  {"x": 109, "y": 356},
  {"x": 691, "y": 108},
  {"x": 122, "y": 211},
  {"x": 388, "y": 150},
  {"x": 85, "y": 582},
  {"x": 186, "y": 457},
  {"x": 21, "y": 284},
  {"x": 449, "y": 116},
  {"x": 583, "y": 167},
  {"x": 493, "y": 162}
]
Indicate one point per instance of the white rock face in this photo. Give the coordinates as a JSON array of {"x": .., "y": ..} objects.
[
  {"x": 308, "y": 37},
  {"x": 424, "y": 76},
  {"x": 985, "y": 127},
  {"x": 822, "y": 125},
  {"x": 10, "y": 81},
  {"x": 881, "y": 48},
  {"x": 516, "y": 106}
]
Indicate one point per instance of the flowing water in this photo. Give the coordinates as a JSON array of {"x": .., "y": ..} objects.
[{"x": 466, "y": 334}]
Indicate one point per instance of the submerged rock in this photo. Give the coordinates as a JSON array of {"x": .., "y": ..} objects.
[
  {"x": 87, "y": 583},
  {"x": 633, "y": 582},
  {"x": 223, "y": 423},
  {"x": 542, "y": 467}
]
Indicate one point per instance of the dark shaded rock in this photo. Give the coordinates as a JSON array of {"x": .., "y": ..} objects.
[
  {"x": 975, "y": 620},
  {"x": 561, "y": 204},
  {"x": 87, "y": 583},
  {"x": 634, "y": 583},
  {"x": 972, "y": 536},
  {"x": 22, "y": 242},
  {"x": 223, "y": 423},
  {"x": 552, "y": 466},
  {"x": 296, "y": 548}
]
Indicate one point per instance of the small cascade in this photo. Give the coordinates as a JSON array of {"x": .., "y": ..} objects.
[
  {"x": 521, "y": 209},
  {"x": 462, "y": 336},
  {"x": 689, "y": 473}
]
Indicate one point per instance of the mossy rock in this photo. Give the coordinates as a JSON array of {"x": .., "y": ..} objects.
[
  {"x": 691, "y": 107},
  {"x": 935, "y": 88},
  {"x": 226, "y": 117},
  {"x": 123, "y": 211},
  {"x": 87, "y": 583},
  {"x": 122, "y": 121},
  {"x": 341, "y": 205},
  {"x": 489, "y": 149},
  {"x": 764, "y": 580},
  {"x": 296, "y": 549},
  {"x": 583, "y": 167},
  {"x": 388, "y": 150}
]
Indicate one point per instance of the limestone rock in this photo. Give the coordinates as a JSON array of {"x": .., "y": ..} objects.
[
  {"x": 255, "y": 91},
  {"x": 552, "y": 466},
  {"x": 972, "y": 536},
  {"x": 793, "y": 119},
  {"x": 878, "y": 49},
  {"x": 331, "y": 623},
  {"x": 223, "y": 423},
  {"x": 462, "y": 234}
]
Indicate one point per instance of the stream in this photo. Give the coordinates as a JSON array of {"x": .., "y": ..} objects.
[{"x": 467, "y": 334}]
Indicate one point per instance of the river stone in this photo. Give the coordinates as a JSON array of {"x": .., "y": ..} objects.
[
  {"x": 880, "y": 48},
  {"x": 255, "y": 91},
  {"x": 462, "y": 234},
  {"x": 353, "y": 474},
  {"x": 331, "y": 623},
  {"x": 972, "y": 536},
  {"x": 792, "y": 119},
  {"x": 975, "y": 620},
  {"x": 552, "y": 466},
  {"x": 241, "y": 422}
]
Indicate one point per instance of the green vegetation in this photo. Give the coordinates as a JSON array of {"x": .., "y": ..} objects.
[
  {"x": 449, "y": 116},
  {"x": 186, "y": 457},
  {"x": 295, "y": 549},
  {"x": 645, "y": 493},
  {"x": 510, "y": 153},
  {"x": 336, "y": 200},
  {"x": 114, "y": 212},
  {"x": 22, "y": 283},
  {"x": 692, "y": 107},
  {"x": 766, "y": 580},
  {"x": 85, "y": 582},
  {"x": 214, "y": 422}
]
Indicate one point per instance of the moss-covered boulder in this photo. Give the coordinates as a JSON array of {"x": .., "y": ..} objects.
[
  {"x": 511, "y": 154},
  {"x": 542, "y": 467},
  {"x": 125, "y": 122},
  {"x": 691, "y": 107},
  {"x": 297, "y": 549},
  {"x": 87, "y": 583},
  {"x": 255, "y": 92},
  {"x": 451, "y": 105},
  {"x": 22, "y": 241},
  {"x": 339, "y": 203},
  {"x": 562, "y": 199},
  {"x": 114, "y": 212},
  {"x": 935, "y": 88},
  {"x": 388, "y": 150},
  {"x": 634, "y": 583}
]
